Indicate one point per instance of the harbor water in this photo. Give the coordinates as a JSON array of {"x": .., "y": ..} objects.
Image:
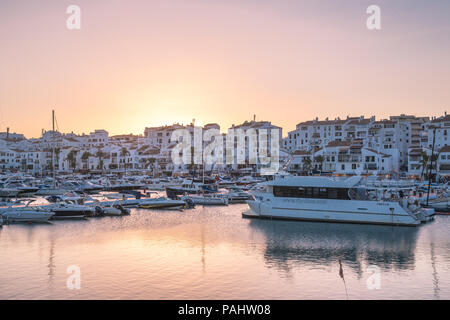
[{"x": 214, "y": 253}]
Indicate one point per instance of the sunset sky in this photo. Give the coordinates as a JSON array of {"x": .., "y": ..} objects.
[{"x": 139, "y": 63}]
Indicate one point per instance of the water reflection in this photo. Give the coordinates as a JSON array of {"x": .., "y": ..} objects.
[
  {"x": 323, "y": 244},
  {"x": 51, "y": 260},
  {"x": 433, "y": 265}
]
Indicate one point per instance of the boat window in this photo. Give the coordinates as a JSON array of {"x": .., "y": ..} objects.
[
  {"x": 323, "y": 193},
  {"x": 333, "y": 193},
  {"x": 316, "y": 193},
  {"x": 311, "y": 192}
]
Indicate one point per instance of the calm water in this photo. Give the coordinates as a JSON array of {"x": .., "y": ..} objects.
[{"x": 213, "y": 253}]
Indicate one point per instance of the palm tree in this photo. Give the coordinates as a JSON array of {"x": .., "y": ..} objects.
[
  {"x": 85, "y": 158},
  {"x": 319, "y": 160},
  {"x": 434, "y": 164},
  {"x": 57, "y": 152},
  {"x": 423, "y": 163},
  {"x": 306, "y": 164},
  {"x": 71, "y": 157},
  {"x": 123, "y": 153},
  {"x": 152, "y": 162},
  {"x": 99, "y": 155}
]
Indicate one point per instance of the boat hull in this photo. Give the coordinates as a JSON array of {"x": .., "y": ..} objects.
[
  {"x": 320, "y": 210},
  {"x": 50, "y": 192},
  {"x": 27, "y": 216},
  {"x": 205, "y": 201},
  {"x": 162, "y": 205},
  {"x": 70, "y": 214}
]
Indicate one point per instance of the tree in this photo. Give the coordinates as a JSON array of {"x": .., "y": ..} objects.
[
  {"x": 319, "y": 160},
  {"x": 306, "y": 164},
  {"x": 433, "y": 164},
  {"x": 99, "y": 155},
  {"x": 423, "y": 163},
  {"x": 152, "y": 163},
  {"x": 72, "y": 158},
  {"x": 123, "y": 153},
  {"x": 57, "y": 153},
  {"x": 85, "y": 158}
]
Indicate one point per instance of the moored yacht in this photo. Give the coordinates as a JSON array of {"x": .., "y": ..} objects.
[
  {"x": 332, "y": 200},
  {"x": 47, "y": 190},
  {"x": 236, "y": 195},
  {"x": 206, "y": 200},
  {"x": 82, "y": 186},
  {"x": 23, "y": 190},
  {"x": 68, "y": 210},
  {"x": 25, "y": 214},
  {"x": 161, "y": 203},
  {"x": 190, "y": 187}
]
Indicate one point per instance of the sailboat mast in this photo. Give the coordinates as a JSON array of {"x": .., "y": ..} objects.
[
  {"x": 431, "y": 166},
  {"x": 203, "y": 167},
  {"x": 53, "y": 148}
]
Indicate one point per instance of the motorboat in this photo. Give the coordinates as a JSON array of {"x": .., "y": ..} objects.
[
  {"x": 25, "y": 214},
  {"x": 248, "y": 180},
  {"x": 236, "y": 195},
  {"x": 206, "y": 200},
  {"x": 161, "y": 203},
  {"x": 333, "y": 200},
  {"x": 47, "y": 190},
  {"x": 120, "y": 185},
  {"x": 125, "y": 200},
  {"x": 23, "y": 190},
  {"x": 82, "y": 186},
  {"x": 190, "y": 187},
  {"x": 157, "y": 184},
  {"x": 68, "y": 196},
  {"x": 107, "y": 208},
  {"x": 6, "y": 192},
  {"x": 69, "y": 210}
]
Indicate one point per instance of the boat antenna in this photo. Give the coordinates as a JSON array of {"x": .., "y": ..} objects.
[{"x": 431, "y": 166}]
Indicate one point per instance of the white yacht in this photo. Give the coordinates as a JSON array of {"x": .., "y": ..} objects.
[
  {"x": 332, "y": 200},
  {"x": 162, "y": 203},
  {"x": 190, "y": 187},
  {"x": 236, "y": 195},
  {"x": 206, "y": 200},
  {"x": 25, "y": 214},
  {"x": 69, "y": 210},
  {"x": 158, "y": 184},
  {"x": 47, "y": 190}
]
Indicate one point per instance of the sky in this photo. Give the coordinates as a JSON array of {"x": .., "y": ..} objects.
[{"x": 145, "y": 63}]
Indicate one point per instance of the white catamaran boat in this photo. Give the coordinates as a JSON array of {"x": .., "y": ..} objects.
[{"x": 332, "y": 200}]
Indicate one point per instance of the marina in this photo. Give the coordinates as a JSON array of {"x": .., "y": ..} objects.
[
  {"x": 188, "y": 247},
  {"x": 224, "y": 150},
  {"x": 213, "y": 253}
]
